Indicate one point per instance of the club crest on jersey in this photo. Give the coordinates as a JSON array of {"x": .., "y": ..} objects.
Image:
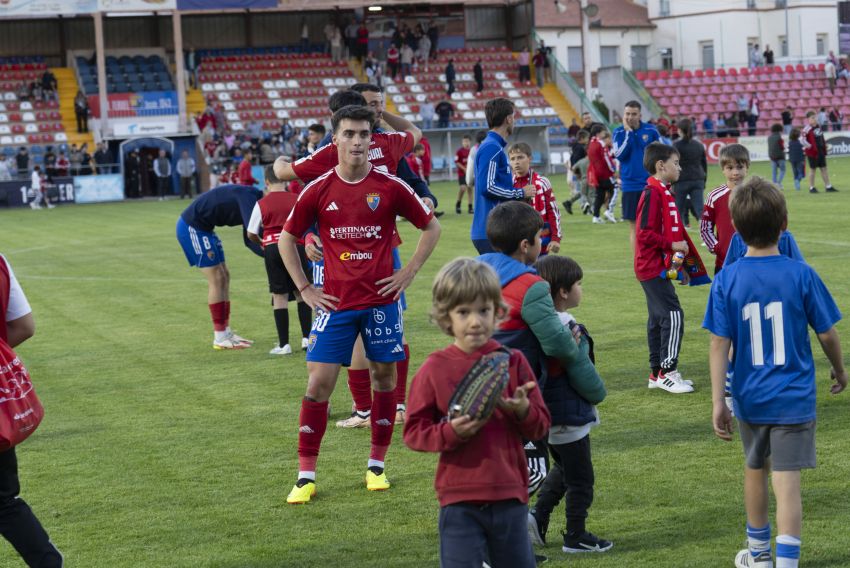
[
  {"x": 645, "y": 137},
  {"x": 373, "y": 200}
]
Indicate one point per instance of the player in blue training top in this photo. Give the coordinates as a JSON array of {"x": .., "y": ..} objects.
[
  {"x": 630, "y": 141},
  {"x": 224, "y": 206},
  {"x": 762, "y": 306}
]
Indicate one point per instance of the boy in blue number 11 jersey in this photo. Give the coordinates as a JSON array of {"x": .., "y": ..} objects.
[{"x": 762, "y": 305}]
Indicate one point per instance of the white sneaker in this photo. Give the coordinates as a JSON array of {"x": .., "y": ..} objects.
[
  {"x": 746, "y": 560},
  {"x": 240, "y": 339},
  {"x": 305, "y": 343},
  {"x": 50, "y": 205},
  {"x": 598, "y": 221},
  {"x": 653, "y": 384},
  {"x": 610, "y": 216},
  {"x": 355, "y": 421},
  {"x": 672, "y": 382},
  {"x": 278, "y": 350},
  {"x": 229, "y": 343}
]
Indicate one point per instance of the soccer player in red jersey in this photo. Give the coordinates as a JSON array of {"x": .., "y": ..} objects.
[
  {"x": 461, "y": 161},
  {"x": 243, "y": 173},
  {"x": 268, "y": 217},
  {"x": 354, "y": 205},
  {"x": 544, "y": 202}
]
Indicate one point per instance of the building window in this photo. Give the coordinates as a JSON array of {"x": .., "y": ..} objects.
[
  {"x": 666, "y": 58},
  {"x": 664, "y": 8},
  {"x": 783, "y": 46},
  {"x": 574, "y": 60},
  {"x": 609, "y": 56},
  {"x": 821, "y": 42},
  {"x": 781, "y": 3},
  {"x": 707, "y": 50},
  {"x": 639, "y": 58},
  {"x": 751, "y": 4}
]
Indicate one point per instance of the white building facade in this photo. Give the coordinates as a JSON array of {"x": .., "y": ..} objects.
[{"x": 690, "y": 34}]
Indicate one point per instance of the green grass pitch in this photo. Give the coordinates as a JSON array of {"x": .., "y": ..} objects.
[{"x": 157, "y": 451}]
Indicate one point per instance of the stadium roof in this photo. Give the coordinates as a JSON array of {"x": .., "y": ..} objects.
[{"x": 612, "y": 14}]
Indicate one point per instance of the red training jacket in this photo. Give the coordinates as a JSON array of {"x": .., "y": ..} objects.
[{"x": 651, "y": 244}]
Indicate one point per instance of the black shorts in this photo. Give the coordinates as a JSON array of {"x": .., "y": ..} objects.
[
  {"x": 817, "y": 162},
  {"x": 280, "y": 282},
  {"x": 461, "y": 180},
  {"x": 629, "y": 200}
]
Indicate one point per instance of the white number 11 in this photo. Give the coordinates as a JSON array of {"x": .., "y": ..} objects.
[{"x": 772, "y": 312}]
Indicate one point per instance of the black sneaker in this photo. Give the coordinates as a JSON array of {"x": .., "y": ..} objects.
[
  {"x": 469, "y": 210},
  {"x": 831, "y": 189},
  {"x": 813, "y": 190},
  {"x": 537, "y": 528},
  {"x": 540, "y": 559},
  {"x": 585, "y": 542},
  {"x": 457, "y": 207},
  {"x": 439, "y": 214},
  {"x": 568, "y": 206}
]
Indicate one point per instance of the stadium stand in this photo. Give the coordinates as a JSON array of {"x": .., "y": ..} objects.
[
  {"x": 501, "y": 79},
  {"x": 270, "y": 84},
  {"x": 711, "y": 91},
  {"x": 127, "y": 74},
  {"x": 25, "y": 122}
]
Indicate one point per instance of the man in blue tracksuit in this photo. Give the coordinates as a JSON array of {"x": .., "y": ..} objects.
[
  {"x": 493, "y": 178},
  {"x": 630, "y": 141}
]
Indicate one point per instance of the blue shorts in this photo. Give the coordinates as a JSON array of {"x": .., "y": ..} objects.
[
  {"x": 202, "y": 249},
  {"x": 333, "y": 335},
  {"x": 629, "y": 201}
]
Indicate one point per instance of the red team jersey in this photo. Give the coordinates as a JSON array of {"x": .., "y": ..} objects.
[
  {"x": 716, "y": 227},
  {"x": 545, "y": 204},
  {"x": 461, "y": 158},
  {"x": 275, "y": 209},
  {"x": 385, "y": 151},
  {"x": 356, "y": 222}
]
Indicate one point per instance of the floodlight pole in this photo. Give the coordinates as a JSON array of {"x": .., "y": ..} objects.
[
  {"x": 180, "y": 79},
  {"x": 100, "y": 57},
  {"x": 585, "y": 59}
]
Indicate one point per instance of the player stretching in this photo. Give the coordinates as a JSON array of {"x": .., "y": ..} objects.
[
  {"x": 224, "y": 206},
  {"x": 355, "y": 206}
]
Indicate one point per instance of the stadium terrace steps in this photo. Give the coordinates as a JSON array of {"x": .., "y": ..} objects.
[
  {"x": 557, "y": 101},
  {"x": 67, "y": 92},
  {"x": 712, "y": 91},
  {"x": 195, "y": 103}
]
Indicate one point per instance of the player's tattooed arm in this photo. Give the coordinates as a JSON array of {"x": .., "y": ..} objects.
[{"x": 400, "y": 124}]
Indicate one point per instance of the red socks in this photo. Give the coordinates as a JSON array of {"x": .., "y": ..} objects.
[
  {"x": 382, "y": 418},
  {"x": 401, "y": 377},
  {"x": 360, "y": 385},
  {"x": 313, "y": 422},
  {"x": 220, "y": 313}
]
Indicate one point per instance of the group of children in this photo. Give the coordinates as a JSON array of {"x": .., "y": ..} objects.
[
  {"x": 761, "y": 304},
  {"x": 806, "y": 144},
  {"x": 593, "y": 172}
]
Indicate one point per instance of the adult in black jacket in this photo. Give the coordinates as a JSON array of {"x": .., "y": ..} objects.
[{"x": 691, "y": 185}]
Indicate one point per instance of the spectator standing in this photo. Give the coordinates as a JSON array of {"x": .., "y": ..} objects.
[
  {"x": 162, "y": 171},
  {"x": 743, "y": 107},
  {"x": 478, "y": 73},
  {"x": 445, "y": 111},
  {"x": 305, "y": 35},
  {"x": 393, "y": 61},
  {"x": 450, "y": 77},
  {"x": 351, "y": 38},
  {"x": 192, "y": 67},
  {"x": 707, "y": 127},
  {"x": 823, "y": 119},
  {"x": 103, "y": 159},
  {"x": 81, "y": 111},
  {"x": 754, "y": 56},
  {"x": 434, "y": 37},
  {"x": 362, "y": 41},
  {"x": 776, "y": 153},
  {"x": 732, "y": 126},
  {"x": 720, "y": 126},
  {"x": 768, "y": 55},
  {"x": 689, "y": 189},
  {"x": 22, "y": 160},
  {"x": 63, "y": 165},
  {"x": 49, "y": 162},
  {"x": 75, "y": 156},
  {"x": 5, "y": 173},
  {"x": 132, "y": 174},
  {"x": 423, "y": 51},
  {"x": 286, "y": 130},
  {"x": 524, "y": 63},
  {"x": 830, "y": 73},
  {"x": 186, "y": 171},
  {"x": 787, "y": 120},
  {"x": 539, "y": 70},
  {"x": 753, "y": 115},
  {"x": 426, "y": 110},
  {"x": 836, "y": 117},
  {"x": 406, "y": 60},
  {"x": 243, "y": 173}
]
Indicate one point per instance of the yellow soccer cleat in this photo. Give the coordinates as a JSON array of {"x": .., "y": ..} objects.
[
  {"x": 301, "y": 493},
  {"x": 375, "y": 482}
]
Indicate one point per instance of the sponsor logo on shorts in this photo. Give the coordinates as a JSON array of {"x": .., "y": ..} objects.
[
  {"x": 210, "y": 255},
  {"x": 356, "y": 232},
  {"x": 378, "y": 315},
  {"x": 356, "y": 255},
  {"x": 311, "y": 342},
  {"x": 373, "y": 200},
  {"x": 398, "y": 348}
]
